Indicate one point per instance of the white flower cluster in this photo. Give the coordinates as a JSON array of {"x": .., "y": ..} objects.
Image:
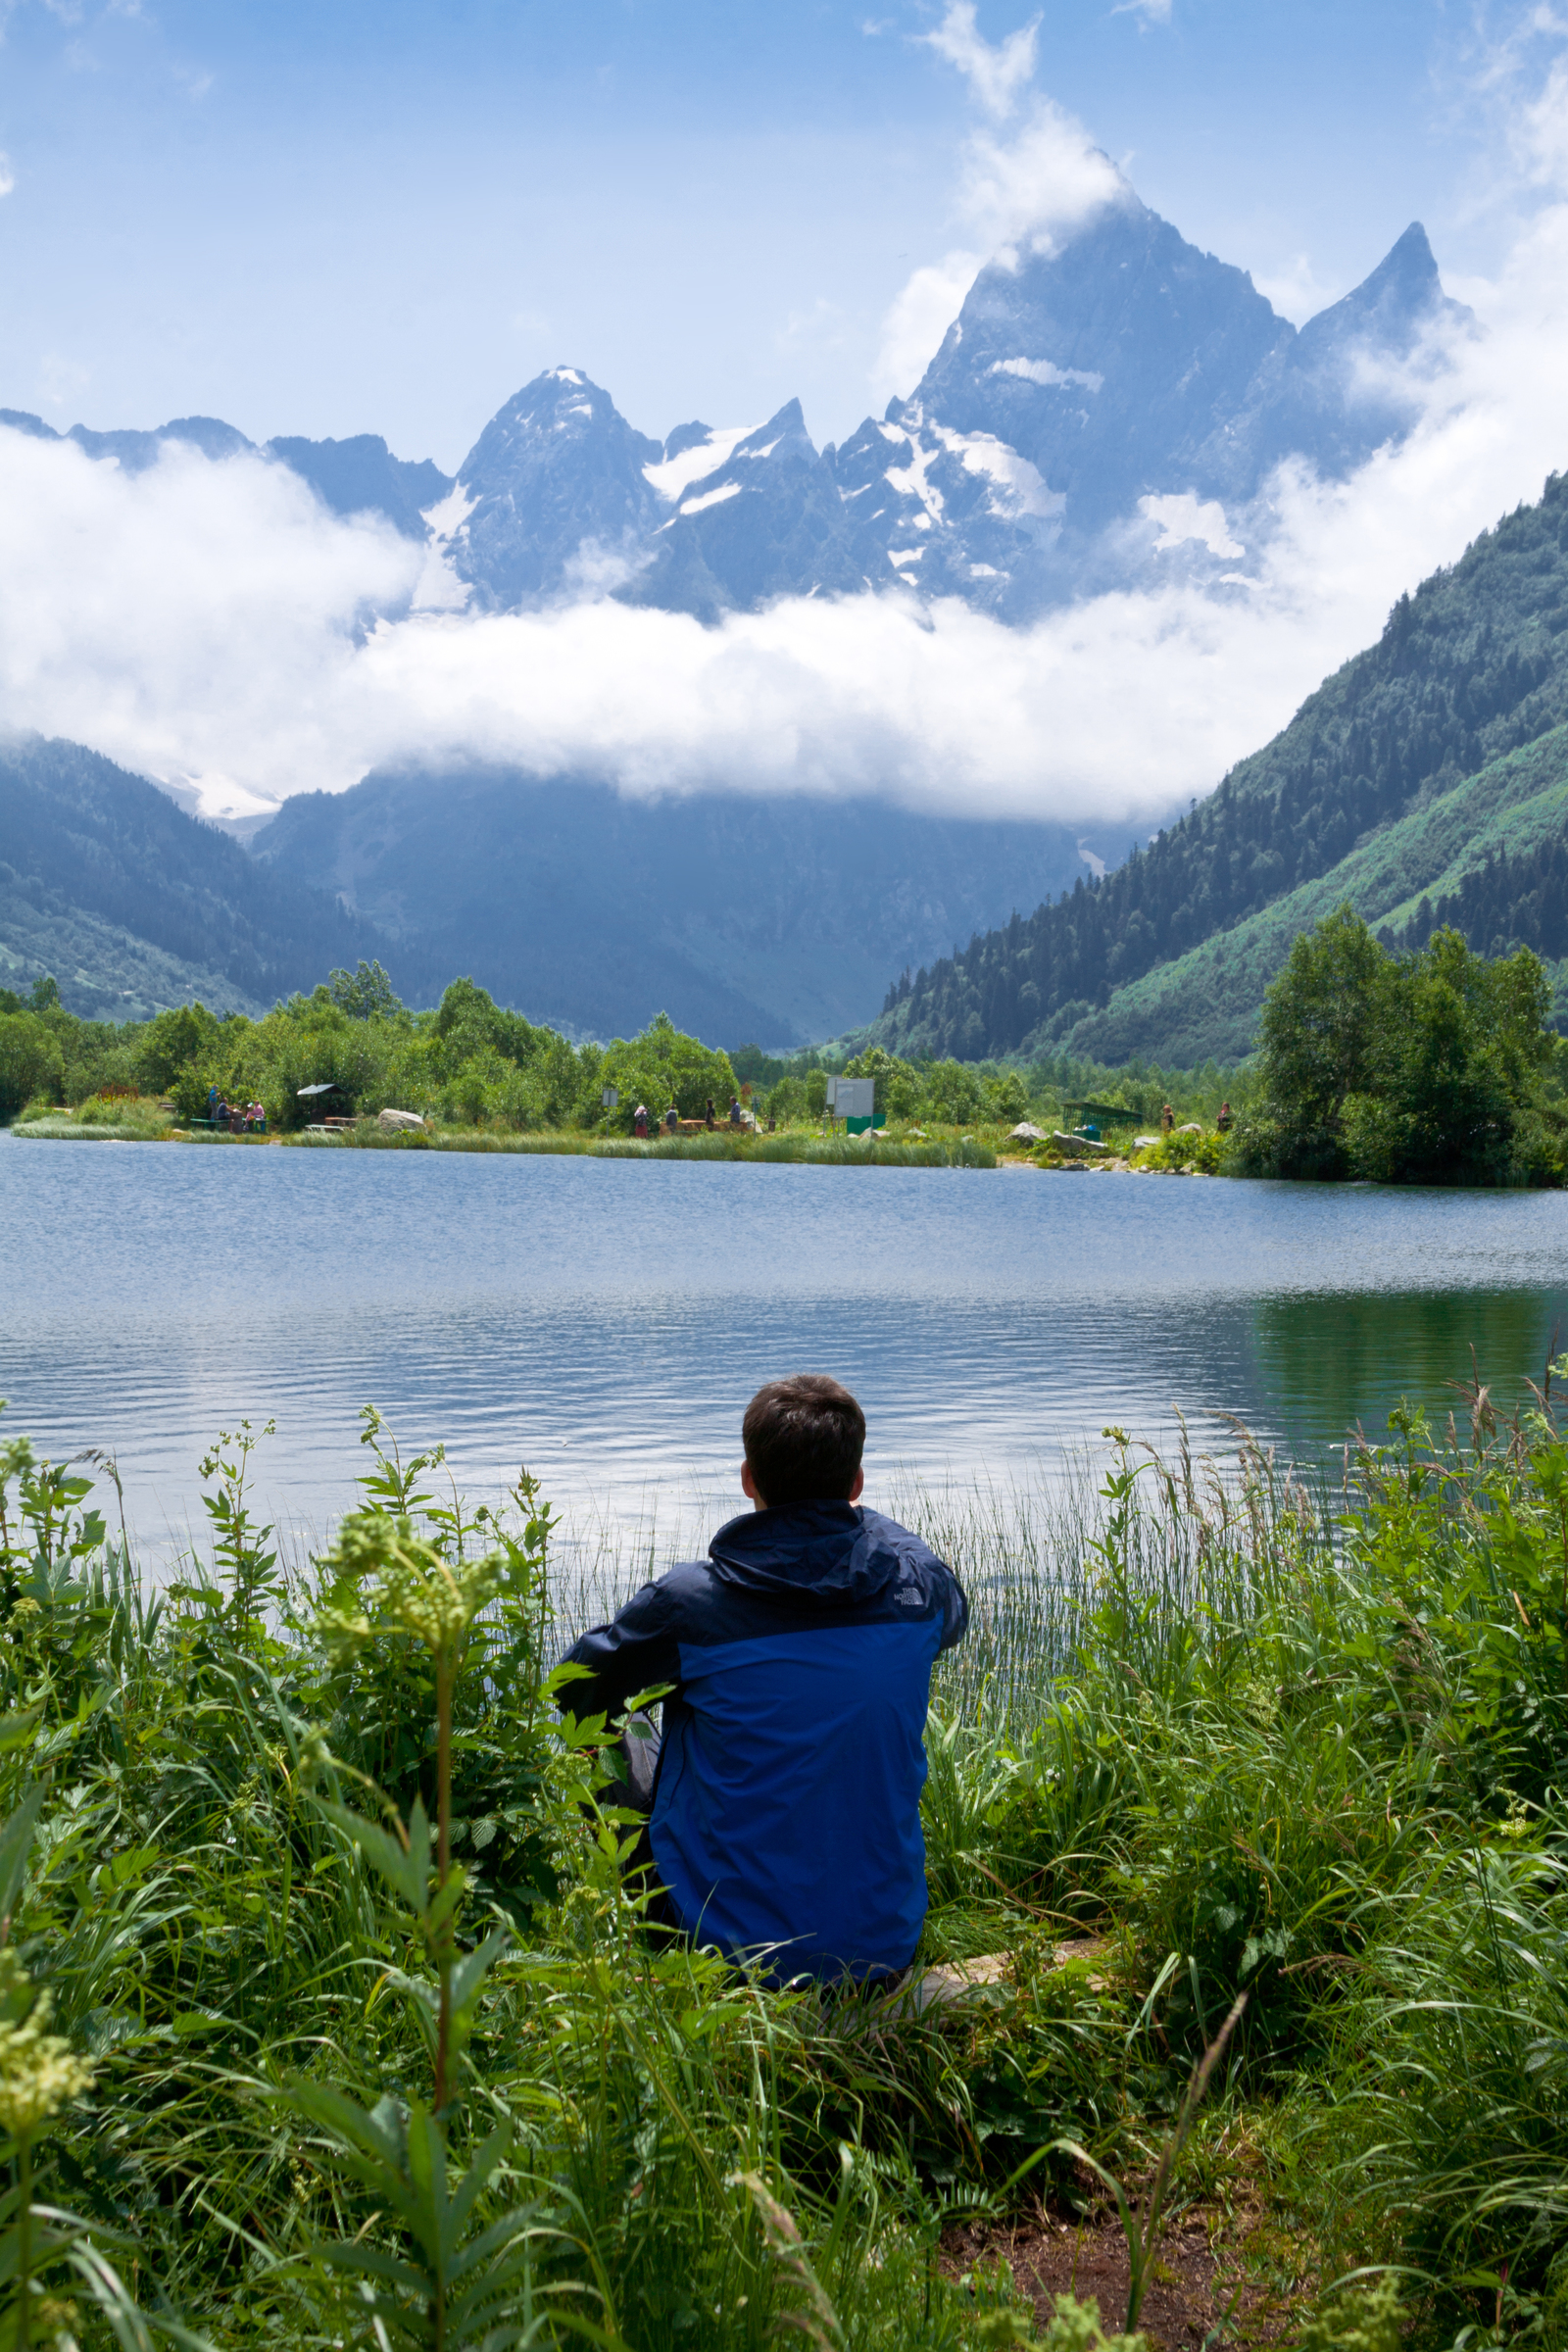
[{"x": 39, "y": 2072}]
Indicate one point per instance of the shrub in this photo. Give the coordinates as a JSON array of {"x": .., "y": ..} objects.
[{"x": 31, "y": 1063}]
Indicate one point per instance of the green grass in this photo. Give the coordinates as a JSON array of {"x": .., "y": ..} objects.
[
  {"x": 1301, "y": 1745},
  {"x": 796, "y": 1147}
]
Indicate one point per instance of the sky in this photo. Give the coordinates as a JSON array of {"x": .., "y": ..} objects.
[
  {"x": 323, "y": 216},
  {"x": 328, "y": 220}
]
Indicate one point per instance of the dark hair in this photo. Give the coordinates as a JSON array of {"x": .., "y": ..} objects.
[{"x": 804, "y": 1439}]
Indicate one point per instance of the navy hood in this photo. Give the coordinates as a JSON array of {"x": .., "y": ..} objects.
[{"x": 833, "y": 1552}]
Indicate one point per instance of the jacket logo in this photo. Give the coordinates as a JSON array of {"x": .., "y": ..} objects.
[{"x": 909, "y": 1599}]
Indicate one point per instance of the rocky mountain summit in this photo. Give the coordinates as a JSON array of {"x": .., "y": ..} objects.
[
  {"x": 356, "y": 476},
  {"x": 1097, "y": 414},
  {"x": 1093, "y": 415}
]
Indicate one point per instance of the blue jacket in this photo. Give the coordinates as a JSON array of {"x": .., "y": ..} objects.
[{"x": 787, "y": 1807}]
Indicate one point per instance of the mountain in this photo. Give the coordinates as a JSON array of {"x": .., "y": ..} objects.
[
  {"x": 1428, "y": 778},
  {"x": 770, "y": 511},
  {"x": 1075, "y": 387},
  {"x": 132, "y": 905},
  {"x": 357, "y": 476},
  {"x": 558, "y": 470},
  {"x": 1082, "y": 407},
  {"x": 767, "y": 919},
  {"x": 361, "y": 476},
  {"x": 1102, "y": 414}
]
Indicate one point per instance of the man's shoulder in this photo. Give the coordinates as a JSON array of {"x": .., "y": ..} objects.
[
  {"x": 689, "y": 1582},
  {"x": 890, "y": 1535}
]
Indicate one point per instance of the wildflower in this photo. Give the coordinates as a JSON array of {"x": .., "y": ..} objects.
[
  {"x": 39, "y": 2072},
  {"x": 410, "y": 1587}
]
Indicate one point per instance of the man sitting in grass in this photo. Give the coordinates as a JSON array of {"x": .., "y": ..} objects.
[{"x": 784, "y": 1797}]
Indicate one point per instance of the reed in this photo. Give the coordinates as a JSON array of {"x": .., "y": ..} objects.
[
  {"x": 796, "y": 1148},
  {"x": 379, "y": 2053}
]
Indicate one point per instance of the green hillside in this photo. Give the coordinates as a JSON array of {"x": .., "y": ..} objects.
[
  {"x": 1206, "y": 1001},
  {"x": 132, "y": 905},
  {"x": 105, "y": 973},
  {"x": 1393, "y": 782}
]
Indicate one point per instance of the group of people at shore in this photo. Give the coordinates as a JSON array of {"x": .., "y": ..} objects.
[
  {"x": 670, "y": 1122},
  {"x": 240, "y": 1119}
]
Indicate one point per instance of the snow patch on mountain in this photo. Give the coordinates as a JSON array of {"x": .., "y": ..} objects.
[
  {"x": 704, "y": 499},
  {"x": 671, "y": 476},
  {"x": 1046, "y": 371}
]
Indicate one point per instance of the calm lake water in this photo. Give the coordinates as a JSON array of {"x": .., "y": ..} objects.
[{"x": 606, "y": 1320}]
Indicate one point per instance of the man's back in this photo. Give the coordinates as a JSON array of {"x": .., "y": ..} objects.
[{"x": 787, "y": 1809}]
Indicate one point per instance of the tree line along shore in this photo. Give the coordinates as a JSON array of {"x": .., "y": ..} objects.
[{"x": 1430, "y": 1066}]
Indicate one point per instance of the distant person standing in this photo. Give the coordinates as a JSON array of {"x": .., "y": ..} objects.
[
  {"x": 639, "y": 1122},
  {"x": 712, "y": 1115},
  {"x": 734, "y": 1110},
  {"x": 1223, "y": 1122},
  {"x": 672, "y": 1119},
  {"x": 1167, "y": 1120}
]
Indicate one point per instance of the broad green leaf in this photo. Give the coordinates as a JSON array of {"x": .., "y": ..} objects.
[
  {"x": 400, "y": 1869},
  {"x": 14, "y": 1840},
  {"x": 469, "y": 1973}
]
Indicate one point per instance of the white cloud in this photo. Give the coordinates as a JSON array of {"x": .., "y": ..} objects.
[
  {"x": 1296, "y": 290},
  {"x": 206, "y": 623},
  {"x": 996, "y": 71},
  {"x": 917, "y": 319},
  {"x": 1026, "y": 190},
  {"x": 1150, "y": 12},
  {"x": 209, "y": 624},
  {"x": 8, "y": 176},
  {"x": 1037, "y": 187},
  {"x": 1184, "y": 517}
]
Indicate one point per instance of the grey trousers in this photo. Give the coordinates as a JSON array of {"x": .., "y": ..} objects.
[{"x": 638, "y": 1749}]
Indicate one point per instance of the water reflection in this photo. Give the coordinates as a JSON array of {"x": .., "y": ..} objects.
[
  {"x": 1340, "y": 1361},
  {"x": 604, "y": 1321}
]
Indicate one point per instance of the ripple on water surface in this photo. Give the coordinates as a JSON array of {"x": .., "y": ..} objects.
[{"x": 606, "y": 1319}]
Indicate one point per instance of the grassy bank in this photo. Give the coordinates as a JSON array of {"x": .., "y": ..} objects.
[
  {"x": 1212, "y": 1736},
  {"x": 799, "y": 1145}
]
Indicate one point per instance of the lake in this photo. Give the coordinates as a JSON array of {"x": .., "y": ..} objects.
[{"x": 606, "y": 1320}]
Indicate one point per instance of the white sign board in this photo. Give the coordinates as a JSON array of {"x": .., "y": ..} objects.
[
  {"x": 831, "y": 1097},
  {"x": 609, "y": 1097},
  {"x": 855, "y": 1098}
]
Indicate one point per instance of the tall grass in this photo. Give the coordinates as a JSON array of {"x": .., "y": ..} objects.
[
  {"x": 795, "y": 1146},
  {"x": 350, "y": 2087}
]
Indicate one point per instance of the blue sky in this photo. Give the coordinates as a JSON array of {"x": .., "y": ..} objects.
[{"x": 341, "y": 218}]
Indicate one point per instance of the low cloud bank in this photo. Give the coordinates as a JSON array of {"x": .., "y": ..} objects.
[{"x": 214, "y": 627}]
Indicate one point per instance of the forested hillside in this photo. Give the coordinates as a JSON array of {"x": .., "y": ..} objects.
[
  {"x": 129, "y": 903},
  {"x": 1468, "y": 669}
]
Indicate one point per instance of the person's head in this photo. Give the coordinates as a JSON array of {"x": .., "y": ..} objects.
[{"x": 804, "y": 1438}]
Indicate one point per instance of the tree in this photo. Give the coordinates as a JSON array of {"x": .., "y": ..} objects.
[
  {"x": 363, "y": 992},
  {"x": 1321, "y": 1019},
  {"x": 661, "y": 1066},
  {"x": 172, "y": 1041},
  {"x": 30, "y": 1062},
  {"x": 1428, "y": 1069}
]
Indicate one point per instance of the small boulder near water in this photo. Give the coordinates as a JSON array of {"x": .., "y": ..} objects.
[
  {"x": 398, "y": 1118},
  {"x": 1023, "y": 1133}
]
